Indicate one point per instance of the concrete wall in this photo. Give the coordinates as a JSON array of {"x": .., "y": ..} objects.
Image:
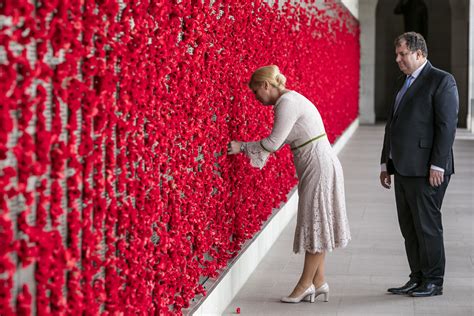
[
  {"x": 367, "y": 61},
  {"x": 460, "y": 56},
  {"x": 353, "y": 6},
  {"x": 471, "y": 67}
]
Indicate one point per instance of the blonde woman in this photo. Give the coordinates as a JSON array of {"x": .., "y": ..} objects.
[{"x": 322, "y": 223}]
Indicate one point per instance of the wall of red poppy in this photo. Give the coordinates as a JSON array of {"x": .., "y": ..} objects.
[{"x": 116, "y": 192}]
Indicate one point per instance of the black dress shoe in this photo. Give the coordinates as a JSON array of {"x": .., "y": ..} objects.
[
  {"x": 409, "y": 286},
  {"x": 427, "y": 289}
]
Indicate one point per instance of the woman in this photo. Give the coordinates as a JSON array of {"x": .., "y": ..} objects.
[{"x": 322, "y": 222}]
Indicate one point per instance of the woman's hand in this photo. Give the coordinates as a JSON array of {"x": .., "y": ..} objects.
[{"x": 233, "y": 147}]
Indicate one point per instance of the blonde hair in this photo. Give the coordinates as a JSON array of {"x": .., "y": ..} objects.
[{"x": 268, "y": 73}]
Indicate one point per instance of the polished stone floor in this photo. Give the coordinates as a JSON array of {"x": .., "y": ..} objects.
[{"x": 359, "y": 275}]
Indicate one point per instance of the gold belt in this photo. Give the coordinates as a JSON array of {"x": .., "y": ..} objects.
[{"x": 309, "y": 141}]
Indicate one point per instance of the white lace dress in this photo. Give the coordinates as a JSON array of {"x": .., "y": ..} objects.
[{"x": 322, "y": 223}]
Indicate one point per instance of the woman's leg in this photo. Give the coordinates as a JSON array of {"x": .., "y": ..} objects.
[
  {"x": 318, "y": 279},
  {"x": 311, "y": 264}
]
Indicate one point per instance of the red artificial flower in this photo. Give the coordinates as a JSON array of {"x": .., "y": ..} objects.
[{"x": 113, "y": 138}]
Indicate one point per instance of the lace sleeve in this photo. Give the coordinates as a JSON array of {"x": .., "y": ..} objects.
[{"x": 258, "y": 156}]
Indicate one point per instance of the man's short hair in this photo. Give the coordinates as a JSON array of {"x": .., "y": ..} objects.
[{"x": 414, "y": 42}]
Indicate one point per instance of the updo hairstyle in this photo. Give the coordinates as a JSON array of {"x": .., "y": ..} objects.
[{"x": 271, "y": 74}]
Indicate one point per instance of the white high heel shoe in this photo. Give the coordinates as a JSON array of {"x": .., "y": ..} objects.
[
  {"x": 323, "y": 289},
  {"x": 308, "y": 293}
]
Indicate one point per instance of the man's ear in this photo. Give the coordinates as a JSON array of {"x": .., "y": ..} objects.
[
  {"x": 266, "y": 85},
  {"x": 419, "y": 54}
]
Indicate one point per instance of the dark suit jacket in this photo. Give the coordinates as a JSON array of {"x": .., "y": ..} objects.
[{"x": 421, "y": 132}]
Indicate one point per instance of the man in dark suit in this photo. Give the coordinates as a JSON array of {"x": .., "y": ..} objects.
[{"x": 417, "y": 149}]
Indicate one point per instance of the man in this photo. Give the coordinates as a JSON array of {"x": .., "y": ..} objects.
[{"x": 417, "y": 149}]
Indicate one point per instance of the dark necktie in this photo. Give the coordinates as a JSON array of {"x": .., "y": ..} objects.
[{"x": 402, "y": 91}]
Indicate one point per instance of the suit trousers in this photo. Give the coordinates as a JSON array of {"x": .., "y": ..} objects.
[{"x": 419, "y": 216}]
